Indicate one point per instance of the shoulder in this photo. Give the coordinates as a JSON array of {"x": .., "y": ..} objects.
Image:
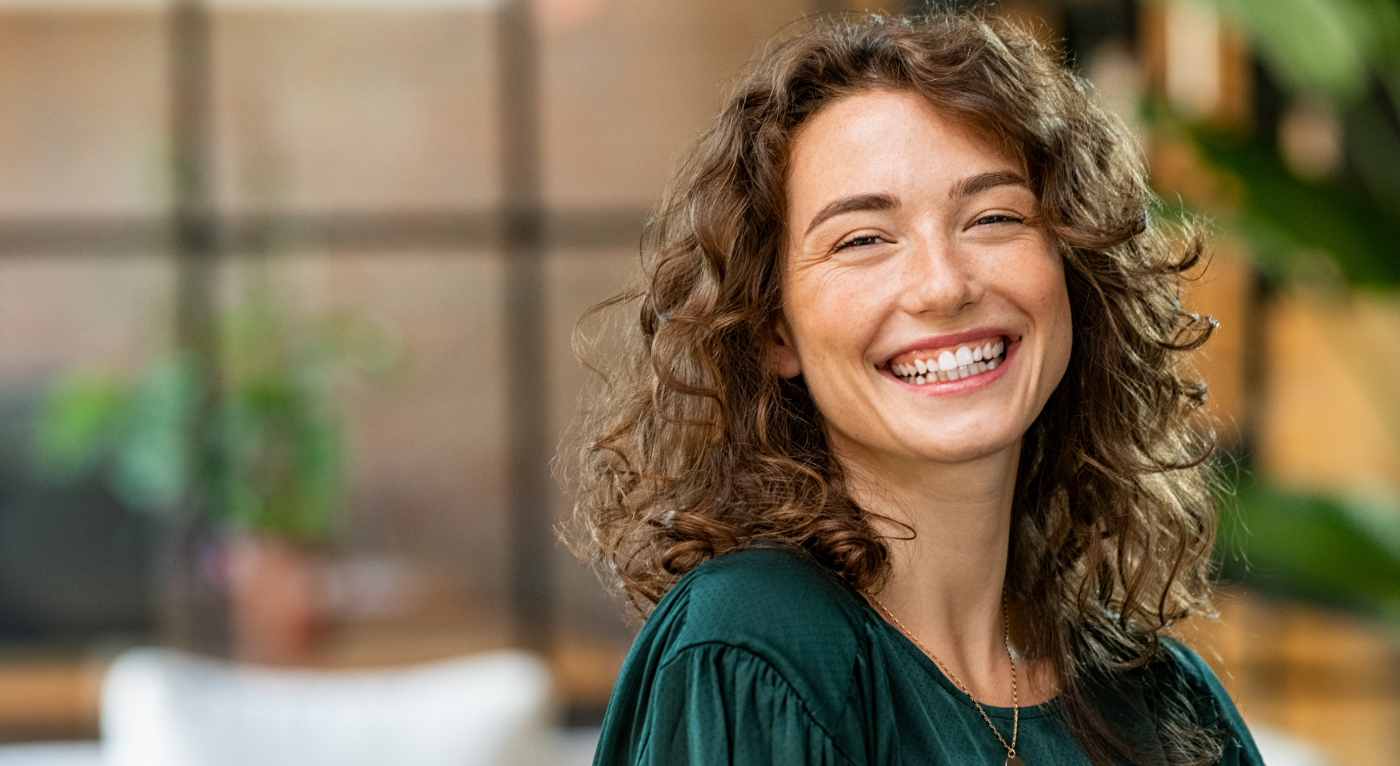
[
  {"x": 1212, "y": 702},
  {"x": 1189, "y": 663},
  {"x": 771, "y": 601},
  {"x": 748, "y": 659},
  {"x": 1181, "y": 665},
  {"x": 767, "y": 595},
  {"x": 774, "y": 605}
]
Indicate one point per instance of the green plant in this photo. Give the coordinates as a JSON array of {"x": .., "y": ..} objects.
[
  {"x": 277, "y": 454},
  {"x": 1342, "y": 550},
  {"x": 133, "y": 432},
  {"x": 1343, "y": 56},
  {"x": 1335, "y": 229}
]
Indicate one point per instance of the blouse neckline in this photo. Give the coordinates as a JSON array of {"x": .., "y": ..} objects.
[{"x": 921, "y": 660}]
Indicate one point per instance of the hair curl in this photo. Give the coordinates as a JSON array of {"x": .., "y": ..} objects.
[{"x": 698, "y": 449}]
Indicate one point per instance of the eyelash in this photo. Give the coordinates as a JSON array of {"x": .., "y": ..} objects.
[
  {"x": 870, "y": 239},
  {"x": 1000, "y": 218},
  {"x": 865, "y": 239}
]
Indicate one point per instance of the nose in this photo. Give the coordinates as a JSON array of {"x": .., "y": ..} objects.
[{"x": 937, "y": 277}]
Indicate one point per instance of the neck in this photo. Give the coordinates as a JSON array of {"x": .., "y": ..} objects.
[{"x": 946, "y": 578}]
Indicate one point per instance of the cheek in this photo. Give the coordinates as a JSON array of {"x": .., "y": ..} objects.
[
  {"x": 831, "y": 314},
  {"x": 1036, "y": 280},
  {"x": 1059, "y": 329}
]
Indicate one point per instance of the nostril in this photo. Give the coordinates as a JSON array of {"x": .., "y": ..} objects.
[{"x": 938, "y": 287}]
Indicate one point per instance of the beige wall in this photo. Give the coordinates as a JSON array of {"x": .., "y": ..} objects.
[
  {"x": 82, "y": 114},
  {"x": 361, "y": 112}
]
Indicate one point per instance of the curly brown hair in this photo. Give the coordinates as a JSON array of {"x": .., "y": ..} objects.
[{"x": 696, "y": 448}]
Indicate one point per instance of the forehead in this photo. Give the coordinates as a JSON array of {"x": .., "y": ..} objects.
[{"x": 895, "y": 135}]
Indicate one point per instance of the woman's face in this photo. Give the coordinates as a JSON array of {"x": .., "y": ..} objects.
[{"x": 923, "y": 306}]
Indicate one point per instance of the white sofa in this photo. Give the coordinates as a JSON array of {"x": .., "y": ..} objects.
[{"x": 166, "y": 708}]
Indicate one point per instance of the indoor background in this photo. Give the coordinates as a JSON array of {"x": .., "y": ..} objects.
[{"x": 288, "y": 290}]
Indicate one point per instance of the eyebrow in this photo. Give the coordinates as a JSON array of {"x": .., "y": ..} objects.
[
  {"x": 984, "y": 181},
  {"x": 851, "y": 205},
  {"x": 964, "y": 188}
]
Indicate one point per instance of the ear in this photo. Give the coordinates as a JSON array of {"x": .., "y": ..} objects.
[{"x": 782, "y": 351}]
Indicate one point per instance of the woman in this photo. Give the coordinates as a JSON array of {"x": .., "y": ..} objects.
[{"x": 904, "y": 455}]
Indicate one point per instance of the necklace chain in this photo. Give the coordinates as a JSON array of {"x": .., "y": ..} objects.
[{"x": 1006, "y": 642}]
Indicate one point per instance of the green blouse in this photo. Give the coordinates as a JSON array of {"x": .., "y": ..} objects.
[{"x": 764, "y": 657}]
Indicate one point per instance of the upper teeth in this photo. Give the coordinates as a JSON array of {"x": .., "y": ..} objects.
[{"x": 954, "y": 364}]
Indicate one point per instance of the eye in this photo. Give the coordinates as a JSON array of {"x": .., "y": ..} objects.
[
  {"x": 993, "y": 218},
  {"x": 861, "y": 241}
]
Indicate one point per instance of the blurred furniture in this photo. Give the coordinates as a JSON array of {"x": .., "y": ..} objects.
[
  {"x": 49, "y": 698},
  {"x": 166, "y": 708},
  {"x": 568, "y": 747},
  {"x": 1277, "y": 748},
  {"x": 52, "y": 754},
  {"x": 386, "y": 612}
]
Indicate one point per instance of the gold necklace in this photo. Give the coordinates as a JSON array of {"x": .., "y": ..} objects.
[{"x": 1011, "y": 758}]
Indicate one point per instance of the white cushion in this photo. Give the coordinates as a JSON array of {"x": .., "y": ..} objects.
[
  {"x": 166, "y": 708},
  {"x": 1280, "y": 749},
  {"x": 51, "y": 754}
]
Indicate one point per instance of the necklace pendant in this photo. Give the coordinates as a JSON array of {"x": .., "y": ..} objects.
[{"x": 1014, "y": 760}]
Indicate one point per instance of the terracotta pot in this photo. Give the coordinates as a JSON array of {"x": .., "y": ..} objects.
[{"x": 275, "y": 595}]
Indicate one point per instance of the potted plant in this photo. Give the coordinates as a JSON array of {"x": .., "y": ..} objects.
[{"x": 270, "y": 481}]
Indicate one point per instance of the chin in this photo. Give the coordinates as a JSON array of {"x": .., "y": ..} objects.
[
  {"x": 964, "y": 453},
  {"x": 962, "y": 450}
]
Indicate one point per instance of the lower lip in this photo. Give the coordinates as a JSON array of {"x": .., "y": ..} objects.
[{"x": 948, "y": 388}]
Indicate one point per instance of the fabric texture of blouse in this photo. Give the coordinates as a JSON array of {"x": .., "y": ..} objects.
[{"x": 764, "y": 657}]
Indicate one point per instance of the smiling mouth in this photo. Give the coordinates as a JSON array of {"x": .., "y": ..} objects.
[{"x": 943, "y": 365}]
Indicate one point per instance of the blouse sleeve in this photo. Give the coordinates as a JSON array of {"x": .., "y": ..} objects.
[
  {"x": 715, "y": 705},
  {"x": 1240, "y": 749}
]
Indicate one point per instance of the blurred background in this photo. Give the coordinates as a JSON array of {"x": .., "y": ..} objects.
[{"x": 287, "y": 290}]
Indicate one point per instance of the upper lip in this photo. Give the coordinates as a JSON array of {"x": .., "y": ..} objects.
[{"x": 953, "y": 339}]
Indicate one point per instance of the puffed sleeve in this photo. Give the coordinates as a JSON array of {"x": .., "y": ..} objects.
[
  {"x": 1240, "y": 749},
  {"x": 716, "y": 705}
]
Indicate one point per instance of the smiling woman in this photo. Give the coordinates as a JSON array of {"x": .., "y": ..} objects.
[
  {"x": 903, "y": 455},
  {"x": 951, "y": 265}
]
